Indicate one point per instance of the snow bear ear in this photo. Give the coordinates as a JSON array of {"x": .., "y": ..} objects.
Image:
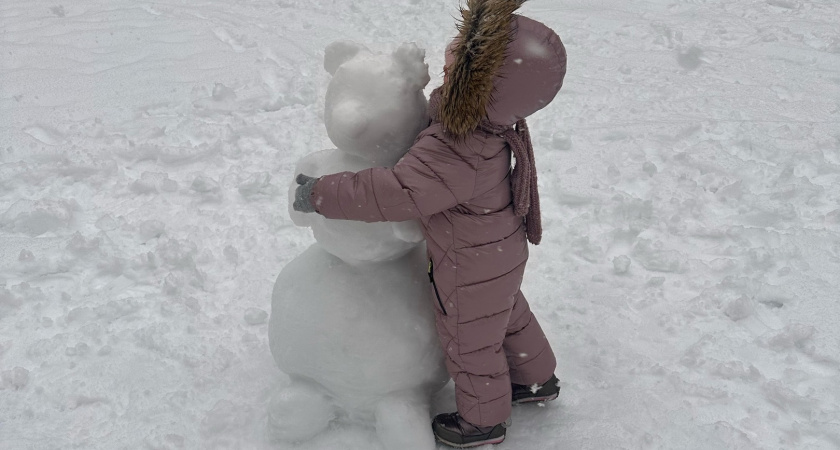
[
  {"x": 411, "y": 59},
  {"x": 340, "y": 52}
]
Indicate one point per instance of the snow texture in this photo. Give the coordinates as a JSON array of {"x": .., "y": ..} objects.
[
  {"x": 351, "y": 321},
  {"x": 146, "y": 149}
]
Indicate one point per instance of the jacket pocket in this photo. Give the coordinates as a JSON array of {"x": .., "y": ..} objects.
[{"x": 434, "y": 285}]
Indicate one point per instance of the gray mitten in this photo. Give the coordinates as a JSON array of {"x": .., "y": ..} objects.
[{"x": 303, "y": 194}]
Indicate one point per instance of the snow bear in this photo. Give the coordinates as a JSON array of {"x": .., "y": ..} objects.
[{"x": 351, "y": 322}]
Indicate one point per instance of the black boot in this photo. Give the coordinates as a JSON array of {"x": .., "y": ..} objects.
[
  {"x": 454, "y": 431},
  {"x": 536, "y": 393}
]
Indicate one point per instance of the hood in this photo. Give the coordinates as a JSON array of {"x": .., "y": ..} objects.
[{"x": 505, "y": 67}]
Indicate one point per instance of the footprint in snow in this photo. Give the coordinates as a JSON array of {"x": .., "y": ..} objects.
[
  {"x": 58, "y": 11},
  {"x": 45, "y": 134},
  {"x": 151, "y": 10},
  {"x": 237, "y": 43},
  {"x": 691, "y": 59},
  {"x": 785, "y": 4}
]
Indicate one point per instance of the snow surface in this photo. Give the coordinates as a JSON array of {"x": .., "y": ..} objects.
[{"x": 690, "y": 176}]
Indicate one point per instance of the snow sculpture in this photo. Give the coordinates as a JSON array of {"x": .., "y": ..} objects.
[{"x": 351, "y": 322}]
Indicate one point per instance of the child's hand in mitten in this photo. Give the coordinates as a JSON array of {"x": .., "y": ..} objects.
[{"x": 303, "y": 194}]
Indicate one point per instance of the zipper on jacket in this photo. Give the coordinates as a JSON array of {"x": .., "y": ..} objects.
[{"x": 434, "y": 285}]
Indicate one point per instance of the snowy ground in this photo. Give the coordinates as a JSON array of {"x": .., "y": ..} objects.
[{"x": 690, "y": 176}]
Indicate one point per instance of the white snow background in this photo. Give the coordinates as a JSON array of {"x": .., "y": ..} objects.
[{"x": 690, "y": 179}]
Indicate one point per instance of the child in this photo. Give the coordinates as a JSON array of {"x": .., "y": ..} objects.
[{"x": 476, "y": 213}]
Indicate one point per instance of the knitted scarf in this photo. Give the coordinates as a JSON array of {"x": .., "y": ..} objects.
[{"x": 526, "y": 197}]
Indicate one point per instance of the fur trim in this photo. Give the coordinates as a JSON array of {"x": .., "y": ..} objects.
[{"x": 484, "y": 34}]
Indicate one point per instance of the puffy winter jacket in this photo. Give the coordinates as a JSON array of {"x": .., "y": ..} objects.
[{"x": 459, "y": 187}]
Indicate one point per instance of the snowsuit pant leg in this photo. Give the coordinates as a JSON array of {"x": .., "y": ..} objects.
[
  {"x": 484, "y": 356},
  {"x": 529, "y": 355},
  {"x": 475, "y": 355}
]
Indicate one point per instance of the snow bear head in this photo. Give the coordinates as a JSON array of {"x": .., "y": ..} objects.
[{"x": 375, "y": 106}]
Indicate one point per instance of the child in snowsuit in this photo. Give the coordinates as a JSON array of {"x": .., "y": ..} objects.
[{"x": 477, "y": 214}]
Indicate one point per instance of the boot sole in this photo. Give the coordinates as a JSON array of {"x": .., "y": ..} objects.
[
  {"x": 525, "y": 401},
  {"x": 495, "y": 441}
]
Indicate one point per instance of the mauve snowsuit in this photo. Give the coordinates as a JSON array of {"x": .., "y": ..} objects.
[{"x": 460, "y": 190}]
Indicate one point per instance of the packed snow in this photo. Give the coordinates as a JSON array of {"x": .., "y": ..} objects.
[
  {"x": 350, "y": 318},
  {"x": 690, "y": 181}
]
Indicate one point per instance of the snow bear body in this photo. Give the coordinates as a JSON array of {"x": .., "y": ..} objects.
[{"x": 351, "y": 322}]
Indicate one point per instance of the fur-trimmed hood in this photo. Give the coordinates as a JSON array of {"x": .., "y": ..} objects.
[{"x": 505, "y": 68}]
